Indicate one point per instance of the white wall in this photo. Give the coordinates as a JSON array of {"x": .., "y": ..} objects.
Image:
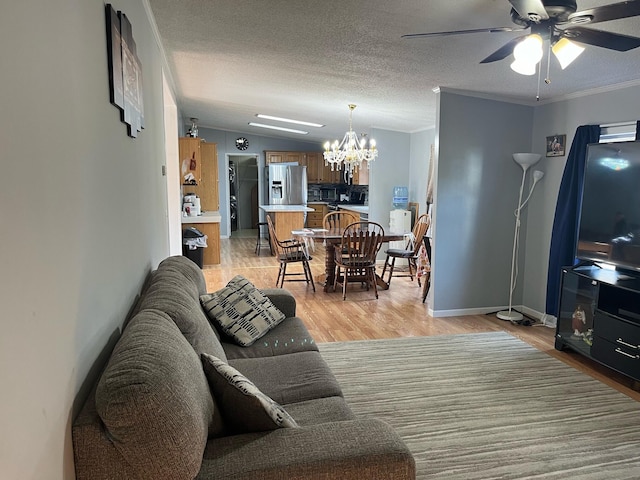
[
  {"x": 83, "y": 214},
  {"x": 563, "y": 117},
  {"x": 476, "y": 192}
]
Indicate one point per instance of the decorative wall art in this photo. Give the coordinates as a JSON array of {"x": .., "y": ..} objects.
[
  {"x": 556, "y": 145},
  {"x": 125, "y": 71}
]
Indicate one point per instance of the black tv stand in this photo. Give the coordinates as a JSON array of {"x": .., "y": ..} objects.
[
  {"x": 586, "y": 263},
  {"x": 600, "y": 317}
]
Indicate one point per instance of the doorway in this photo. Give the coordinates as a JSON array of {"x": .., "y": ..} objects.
[{"x": 243, "y": 194}]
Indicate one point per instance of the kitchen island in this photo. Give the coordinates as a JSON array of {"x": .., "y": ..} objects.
[
  {"x": 209, "y": 224},
  {"x": 286, "y": 218},
  {"x": 362, "y": 210}
]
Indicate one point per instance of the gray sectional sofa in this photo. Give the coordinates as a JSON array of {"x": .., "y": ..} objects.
[{"x": 152, "y": 415}]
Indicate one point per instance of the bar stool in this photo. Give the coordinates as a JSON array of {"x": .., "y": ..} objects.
[{"x": 259, "y": 226}]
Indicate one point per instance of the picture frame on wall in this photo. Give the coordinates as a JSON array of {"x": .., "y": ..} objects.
[
  {"x": 125, "y": 71},
  {"x": 556, "y": 145},
  {"x": 414, "y": 208}
]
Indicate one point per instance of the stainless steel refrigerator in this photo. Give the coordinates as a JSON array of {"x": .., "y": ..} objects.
[{"x": 286, "y": 184}]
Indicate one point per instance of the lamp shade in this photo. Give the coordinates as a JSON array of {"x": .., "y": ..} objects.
[{"x": 525, "y": 160}]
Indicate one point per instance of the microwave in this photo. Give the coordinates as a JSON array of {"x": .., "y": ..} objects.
[{"x": 328, "y": 194}]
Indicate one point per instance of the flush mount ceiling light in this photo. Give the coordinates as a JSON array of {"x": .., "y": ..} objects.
[
  {"x": 282, "y": 129},
  {"x": 351, "y": 152},
  {"x": 289, "y": 120}
]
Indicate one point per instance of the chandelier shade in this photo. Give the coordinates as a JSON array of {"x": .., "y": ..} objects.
[{"x": 350, "y": 152}]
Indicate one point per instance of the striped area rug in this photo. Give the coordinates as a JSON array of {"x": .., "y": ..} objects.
[{"x": 488, "y": 406}]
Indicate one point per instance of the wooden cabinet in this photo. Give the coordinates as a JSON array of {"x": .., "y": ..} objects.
[
  {"x": 211, "y": 254},
  {"x": 190, "y": 160},
  {"x": 284, "y": 157},
  {"x": 315, "y": 164},
  {"x": 314, "y": 219},
  {"x": 208, "y": 189}
]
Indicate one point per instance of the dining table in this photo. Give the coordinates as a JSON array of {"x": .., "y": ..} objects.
[{"x": 331, "y": 238}]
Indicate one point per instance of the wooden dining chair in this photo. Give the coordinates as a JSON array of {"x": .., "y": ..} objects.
[
  {"x": 339, "y": 219},
  {"x": 289, "y": 251},
  {"x": 410, "y": 252},
  {"x": 356, "y": 258}
]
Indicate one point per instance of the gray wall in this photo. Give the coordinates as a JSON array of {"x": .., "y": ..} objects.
[
  {"x": 83, "y": 213},
  {"x": 390, "y": 169},
  {"x": 476, "y": 194},
  {"x": 226, "y": 144},
  {"x": 419, "y": 167},
  {"x": 563, "y": 117}
]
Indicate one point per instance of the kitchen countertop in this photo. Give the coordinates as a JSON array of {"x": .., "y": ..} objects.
[
  {"x": 355, "y": 208},
  {"x": 206, "y": 217},
  {"x": 285, "y": 208}
]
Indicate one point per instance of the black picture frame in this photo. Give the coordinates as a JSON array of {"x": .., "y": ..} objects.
[
  {"x": 125, "y": 71},
  {"x": 556, "y": 145},
  {"x": 114, "y": 57}
]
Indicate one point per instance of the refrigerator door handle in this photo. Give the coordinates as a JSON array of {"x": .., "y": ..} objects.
[{"x": 288, "y": 180}]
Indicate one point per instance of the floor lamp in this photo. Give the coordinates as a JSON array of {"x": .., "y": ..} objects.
[{"x": 525, "y": 160}]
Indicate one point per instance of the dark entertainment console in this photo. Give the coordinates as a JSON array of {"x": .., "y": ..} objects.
[{"x": 600, "y": 317}]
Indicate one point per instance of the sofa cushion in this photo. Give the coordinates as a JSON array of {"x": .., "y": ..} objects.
[
  {"x": 244, "y": 407},
  {"x": 188, "y": 269},
  {"x": 154, "y": 400},
  {"x": 290, "y": 378},
  {"x": 168, "y": 294},
  {"x": 290, "y": 336},
  {"x": 241, "y": 311},
  {"x": 320, "y": 410}
]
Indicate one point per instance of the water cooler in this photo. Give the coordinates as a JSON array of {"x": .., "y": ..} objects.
[{"x": 400, "y": 217}]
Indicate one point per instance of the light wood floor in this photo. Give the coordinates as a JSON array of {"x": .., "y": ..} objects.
[{"x": 399, "y": 311}]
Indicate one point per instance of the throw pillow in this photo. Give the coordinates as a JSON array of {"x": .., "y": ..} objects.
[
  {"x": 244, "y": 407},
  {"x": 241, "y": 311}
]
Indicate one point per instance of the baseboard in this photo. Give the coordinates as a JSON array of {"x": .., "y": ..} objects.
[{"x": 543, "y": 318}]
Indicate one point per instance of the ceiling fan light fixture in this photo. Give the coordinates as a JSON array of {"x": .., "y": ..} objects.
[
  {"x": 566, "y": 51},
  {"x": 523, "y": 67},
  {"x": 529, "y": 50}
]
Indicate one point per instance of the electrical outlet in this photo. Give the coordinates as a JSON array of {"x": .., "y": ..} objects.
[{"x": 164, "y": 170}]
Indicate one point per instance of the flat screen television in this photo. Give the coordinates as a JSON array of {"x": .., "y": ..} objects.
[{"x": 609, "y": 226}]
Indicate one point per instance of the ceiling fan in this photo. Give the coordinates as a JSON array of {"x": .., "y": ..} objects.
[{"x": 560, "y": 23}]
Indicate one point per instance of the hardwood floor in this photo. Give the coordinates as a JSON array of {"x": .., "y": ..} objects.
[{"x": 399, "y": 311}]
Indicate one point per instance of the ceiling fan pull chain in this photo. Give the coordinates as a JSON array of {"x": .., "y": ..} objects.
[
  {"x": 548, "y": 79},
  {"x": 539, "y": 75}
]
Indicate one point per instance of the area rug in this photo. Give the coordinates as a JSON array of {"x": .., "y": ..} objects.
[{"x": 489, "y": 406}]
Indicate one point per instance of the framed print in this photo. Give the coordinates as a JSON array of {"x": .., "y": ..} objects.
[
  {"x": 556, "y": 145},
  {"x": 414, "y": 208},
  {"x": 114, "y": 57},
  {"x": 125, "y": 71}
]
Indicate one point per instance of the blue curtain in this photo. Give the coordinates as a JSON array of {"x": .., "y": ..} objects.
[
  {"x": 638, "y": 131},
  {"x": 565, "y": 223}
]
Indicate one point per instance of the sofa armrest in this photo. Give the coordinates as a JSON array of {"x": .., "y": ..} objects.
[
  {"x": 347, "y": 450},
  {"x": 282, "y": 299}
]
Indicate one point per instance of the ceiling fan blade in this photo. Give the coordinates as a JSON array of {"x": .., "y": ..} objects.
[
  {"x": 503, "y": 52},
  {"x": 608, "y": 12},
  {"x": 527, "y": 8},
  {"x": 612, "y": 41},
  {"x": 462, "y": 32}
]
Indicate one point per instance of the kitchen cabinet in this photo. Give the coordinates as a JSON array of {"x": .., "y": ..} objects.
[
  {"x": 211, "y": 253},
  {"x": 207, "y": 187},
  {"x": 314, "y": 219},
  {"x": 190, "y": 159},
  {"x": 284, "y": 157}
]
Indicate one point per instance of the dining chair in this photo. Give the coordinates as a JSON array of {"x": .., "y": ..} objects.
[
  {"x": 356, "y": 258},
  {"x": 339, "y": 219},
  {"x": 289, "y": 251},
  {"x": 410, "y": 252}
]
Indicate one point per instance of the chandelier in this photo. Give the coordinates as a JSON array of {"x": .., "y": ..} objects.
[{"x": 351, "y": 152}]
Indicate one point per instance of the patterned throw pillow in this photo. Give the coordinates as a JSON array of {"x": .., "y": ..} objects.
[
  {"x": 242, "y": 311},
  {"x": 244, "y": 407}
]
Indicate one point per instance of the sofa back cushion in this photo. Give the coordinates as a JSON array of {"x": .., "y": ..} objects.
[
  {"x": 154, "y": 400},
  {"x": 188, "y": 269},
  {"x": 171, "y": 293}
]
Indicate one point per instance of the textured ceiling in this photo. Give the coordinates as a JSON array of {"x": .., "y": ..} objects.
[{"x": 307, "y": 60}]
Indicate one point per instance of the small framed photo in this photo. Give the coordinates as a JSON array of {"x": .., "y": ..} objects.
[{"x": 556, "y": 145}]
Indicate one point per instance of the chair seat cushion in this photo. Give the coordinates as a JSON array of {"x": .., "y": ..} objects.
[{"x": 397, "y": 252}]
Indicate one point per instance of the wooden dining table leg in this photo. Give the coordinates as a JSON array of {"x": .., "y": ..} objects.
[{"x": 329, "y": 265}]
